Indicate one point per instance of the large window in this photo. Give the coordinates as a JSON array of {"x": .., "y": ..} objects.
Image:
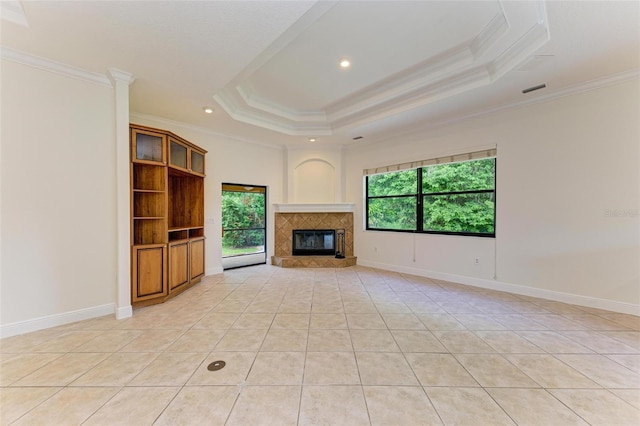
[{"x": 453, "y": 198}]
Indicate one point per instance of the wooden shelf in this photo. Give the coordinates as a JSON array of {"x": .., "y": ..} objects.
[{"x": 167, "y": 215}]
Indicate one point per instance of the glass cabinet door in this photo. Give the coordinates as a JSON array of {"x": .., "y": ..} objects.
[
  {"x": 177, "y": 155},
  {"x": 148, "y": 147},
  {"x": 197, "y": 162}
]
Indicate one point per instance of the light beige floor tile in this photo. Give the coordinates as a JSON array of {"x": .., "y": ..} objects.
[
  {"x": 493, "y": 370},
  {"x": 399, "y": 405},
  {"x": 632, "y": 362},
  {"x": 63, "y": 370},
  {"x": 15, "y": 402},
  {"x": 603, "y": 371},
  {"x": 360, "y": 308},
  {"x": 109, "y": 341},
  {"x": 266, "y": 405},
  {"x": 217, "y": 320},
  {"x": 441, "y": 322},
  {"x": 328, "y": 321},
  {"x": 117, "y": 370},
  {"x": 329, "y": 341},
  {"x": 630, "y": 321},
  {"x": 599, "y": 342},
  {"x": 231, "y": 306},
  {"x": 277, "y": 368},
  {"x": 26, "y": 342},
  {"x": 439, "y": 370},
  {"x": 201, "y": 341},
  {"x": 291, "y": 321},
  {"x": 235, "y": 371},
  {"x": 199, "y": 405},
  {"x": 285, "y": 340},
  {"x": 508, "y": 342},
  {"x": 550, "y": 372},
  {"x": 169, "y": 369},
  {"x": 479, "y": 407},
  {"x": 598, "y": 407},
  {"x": 133, "y": 405},
  {"x": 632, "y": 396},
  {"x": 69, "y": 406},
  {"x": 478, "y": 322},
  {"x": 384, "y": 368},
  {"x": 241, "y": 340},
  {"x": 417, "y": 341},
  {"x": 17, "y": 366},
  {"x": 373, "y": 340},
  {"x": 595, "y": 322},
  {"x": 327, "y": 308},
  {"x": 66, "y": 342},
  {"x": 392, "y": 308},
  {"x": 534, "y": 407},
  {"x": 556, "y": 322},
  {"x": 253, "y": 321},
  {"x": 425, "y": 307},
  {"x": 629, "y": 338},
  {"x": 333, "y": 405},
  {"x": 462, "y": 342},
  {"x": 365, "y": 322},
  {"x": 554, "y": 342},
  {"x": 403, "y": 322},
  {"x": 153, "y": 341},
  {"x": 518, "y": 322},
  {"x": 331, "y": 368},
  {"x": 294, "y": 308}
]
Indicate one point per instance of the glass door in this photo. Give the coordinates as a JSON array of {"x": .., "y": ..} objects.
[{"x": 244, "y": 225}]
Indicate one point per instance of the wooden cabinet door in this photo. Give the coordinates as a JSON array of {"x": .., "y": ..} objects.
[
  {"x": 179, "y": 155},
  {"x": 196, "y": 257},
  {"x": 149, "y": 272},
  {"x": 178, "y": 264},
  {"x": 148, "y": 147}
]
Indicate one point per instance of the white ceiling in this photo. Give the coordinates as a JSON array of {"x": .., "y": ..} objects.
[{"x": 270, "y": 68}]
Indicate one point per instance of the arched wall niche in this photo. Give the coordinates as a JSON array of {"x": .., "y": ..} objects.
[{"x": 314, "y": 181}]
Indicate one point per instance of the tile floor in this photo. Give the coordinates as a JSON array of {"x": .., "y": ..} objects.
[{"x": 330, "y": 347}]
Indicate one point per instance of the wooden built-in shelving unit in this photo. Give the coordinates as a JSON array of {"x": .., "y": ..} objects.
[{"x": 167, "y": 215}]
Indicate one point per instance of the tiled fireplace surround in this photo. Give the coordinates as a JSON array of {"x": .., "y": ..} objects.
[{"x": 285, "y": 223}]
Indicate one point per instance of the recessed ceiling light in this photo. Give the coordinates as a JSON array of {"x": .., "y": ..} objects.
[
  {"x": 344, "y": 63},
  {"x": 207, "y": 109},
  {"x": 312, "y": 139}
]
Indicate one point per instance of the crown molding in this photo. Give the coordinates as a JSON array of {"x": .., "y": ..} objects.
[
  {"x": 165, "y": 121},
  {"x": 53, "y": 66},
  {"x": 12, "y": 11},
  {"x": 461, "y": 68},
  {"x": 595, "y": 84},
  {"x": 119, "y": 75}
]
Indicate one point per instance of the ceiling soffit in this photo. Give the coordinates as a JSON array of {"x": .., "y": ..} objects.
[{"x": 513, "y": 33}]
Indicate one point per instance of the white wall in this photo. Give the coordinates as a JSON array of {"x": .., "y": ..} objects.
[
  {"x": 568, "y": 197},
  {"x": 58, "y": 198},
  {"x": 230, "y": 161}
]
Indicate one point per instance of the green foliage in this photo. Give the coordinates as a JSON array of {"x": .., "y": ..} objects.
[
  {"x": 242, "y": 211},
  {"x": 473, "y": 213},
  {"x": 393, "y": 213},
  {"x": 394, "y": 183},
  {"x": 467, "y": 176}
]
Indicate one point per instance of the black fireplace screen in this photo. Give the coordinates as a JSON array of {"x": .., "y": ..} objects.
[{"x": 314, "y": 242}]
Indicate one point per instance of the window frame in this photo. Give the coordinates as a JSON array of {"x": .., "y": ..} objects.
[{"x": 419, "y": 196}]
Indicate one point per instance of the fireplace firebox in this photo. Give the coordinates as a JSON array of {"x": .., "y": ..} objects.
[{"x": 314, "y": 242}]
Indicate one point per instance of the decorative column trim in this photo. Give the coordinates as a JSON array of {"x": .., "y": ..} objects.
[{"x": 121, "y": 81}]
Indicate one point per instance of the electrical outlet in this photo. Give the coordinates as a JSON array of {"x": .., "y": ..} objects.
[{"x": 477, "y": 260}]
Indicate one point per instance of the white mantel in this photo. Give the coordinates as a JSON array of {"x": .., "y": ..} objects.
[{"x": 313, "y": 208}]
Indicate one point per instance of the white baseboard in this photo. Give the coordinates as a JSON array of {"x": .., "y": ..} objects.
[
  {"x": 124, "y": 312},
  {"x": 35, "y": 324},
  {"x": 574, "y": 299},
  {"x": 215, "y": 270}
]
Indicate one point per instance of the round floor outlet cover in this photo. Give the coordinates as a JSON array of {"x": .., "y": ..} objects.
[{"x": 216, "y": 365}]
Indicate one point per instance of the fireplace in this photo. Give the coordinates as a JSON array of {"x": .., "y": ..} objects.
[{"x": 313, "y": 242}]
